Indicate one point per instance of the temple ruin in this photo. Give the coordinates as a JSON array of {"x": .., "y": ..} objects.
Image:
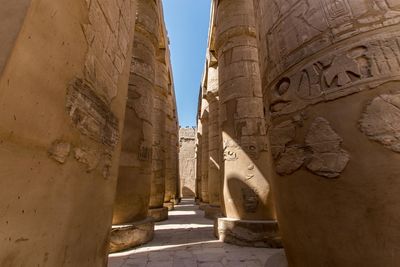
[{"x": 292, "y": 161}]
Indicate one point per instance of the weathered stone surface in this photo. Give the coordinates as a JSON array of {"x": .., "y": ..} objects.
[
  {"x": 328, "y": 159},
  {"x": 187, "y": 161},
  {"x": 249, "y": 233},
  {"x": 60, "y": 150},
  {"x": 50, "y": 106},
  {"x": 131, "y": 235},
  {"x": 329, "y": 62},
  {"x": 381, "y": 121},
  {"x": 321, "y": 153}
]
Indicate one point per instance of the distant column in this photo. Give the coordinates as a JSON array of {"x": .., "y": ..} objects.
[{"x": 246, "y": 188}]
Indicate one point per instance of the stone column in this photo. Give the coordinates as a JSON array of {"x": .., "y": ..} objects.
[
  {"x": 332, "y": 87},
  {"x": 157, "y": 210},
  {"x": 198, "y": 159},
  {"x": 175, "y": 159},
  {"x": 204, "y": 117},
  {"x": 63, "y": 85},
  {"x": 247, "y": 192},
  {"x": 131, "y": 226},
  {"x": 169, "y": 178},
  {"x": 214, "y": 144}
]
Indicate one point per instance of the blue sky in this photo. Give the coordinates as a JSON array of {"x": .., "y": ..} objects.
[{"x": 187, "y": 23}]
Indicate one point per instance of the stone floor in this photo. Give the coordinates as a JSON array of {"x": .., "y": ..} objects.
[{"x": 186, "y": 240}]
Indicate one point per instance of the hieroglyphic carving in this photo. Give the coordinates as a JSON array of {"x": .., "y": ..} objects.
[
  {"x": 321, "y": 153},
  {"x": 296, "y": 30},
  {"x": 340, "y": 73},
  {"x": 381, "y": 121}
]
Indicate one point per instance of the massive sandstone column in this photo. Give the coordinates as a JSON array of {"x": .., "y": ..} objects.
[
  {"x": 170, "y": 182},
  {"x": 131, "y": 225},
  {"x": 247, "y": 193},
  {"x": 157, "y": 210},
  {"x": 332, "y": 72},
  {"x": 214, "y": 144},
  {"x": 63, "y": 89},
  {"x": 198, "y": 157},
  {"x": 204, "y": 115}
]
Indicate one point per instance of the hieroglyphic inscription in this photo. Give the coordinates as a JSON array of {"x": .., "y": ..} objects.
[
  {"x": 296, "y": 30},
  {"x": 343, "y": 72}
]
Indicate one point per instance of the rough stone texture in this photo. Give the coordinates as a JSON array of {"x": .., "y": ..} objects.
[
  {"x": 50, "y": 200},
  {"x": 249, "y": 233},
  {"x": 187, "y": 161},
  {"x": 381, "y": 121},
  {"x": 333, "y": 60},
  {"x": 131, "y": 235},
  {"x": 158, "y": 214}
]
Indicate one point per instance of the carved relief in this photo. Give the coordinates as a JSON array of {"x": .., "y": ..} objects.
[
  {"x": 344, "y": 72},
  {"x": 321, "y": 153},
  {"x": 296, "y": 30},
  {"x": 91, "y": 115},
  {"x": 381, "y": 121}
]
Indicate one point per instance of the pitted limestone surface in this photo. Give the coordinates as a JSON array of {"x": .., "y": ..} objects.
[{"x": 187, "y": 240}]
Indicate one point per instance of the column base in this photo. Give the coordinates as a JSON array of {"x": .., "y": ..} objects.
[
  {"x": 248, "y": 233},
  {"x": 197, "y": 201},
  {"x": 203, "y": 205},
  {"x": 176, "y": 201},
  {"x": 212, "y": 212},
  {"x": 169, "y": 205},
  {"x": 131, "y": 235},
  {"x": 158, "y": 214}
]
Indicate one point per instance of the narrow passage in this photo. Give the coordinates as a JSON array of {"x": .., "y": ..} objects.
[{"x": 186, "y": 239}]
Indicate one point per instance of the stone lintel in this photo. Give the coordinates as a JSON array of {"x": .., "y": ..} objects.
[
  {"x": 249, "y": 233},
  {"x": 131, "y": 235},
  {"x": 212, "y": 212},
  {"x": 158, "y": 214},
  {"x": 169, "y": 205}
]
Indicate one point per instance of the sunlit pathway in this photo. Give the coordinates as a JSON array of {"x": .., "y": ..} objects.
[{"x": 186, "y": 239}]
